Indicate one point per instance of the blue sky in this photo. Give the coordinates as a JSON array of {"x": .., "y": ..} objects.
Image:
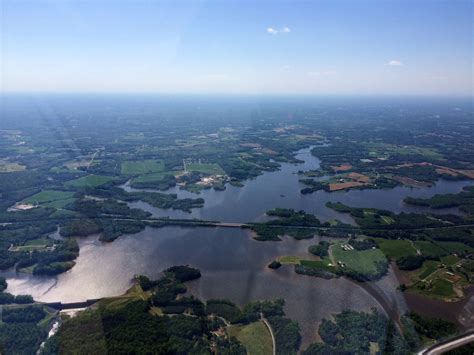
[{"x": 355, "y": 47}]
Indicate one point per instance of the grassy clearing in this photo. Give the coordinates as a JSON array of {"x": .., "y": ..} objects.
[
  {"x": 34, "y": 244},
  {"x": 428, "y": 268},
  {"x": 384, "y": 149},
  {"x": 50, "y": 198},
  {"x": 430, "y": 249},
  {"x": 456, "y": 247},
  {"x": 289, "y": 260},
  {"x": 363, "y": 262},
  {"x": 59, "y": 203},
  {"x": 206, "y": 168},
  {"x": 133, "y": 294},
  {"x": 90, "y": 180},
  {"x": 255, "y": 337},
  {"x": 140, "y": 167},
  {"x": 318, "y": 264},
  {"x": 442, "y": 287},
  {"x": 450, "y": 260},
  {"x": 155, "y": 177},
  {"x": 387, "y": 220},
  {"x": 7, "y": 167},
  {"x": 394, "y": 248}
]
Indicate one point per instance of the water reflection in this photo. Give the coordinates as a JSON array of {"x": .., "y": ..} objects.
[{"x": 232, "y": 263}]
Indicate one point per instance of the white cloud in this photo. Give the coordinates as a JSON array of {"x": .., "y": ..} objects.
[
  {"x": 394, "y": 63},
  {"x": 273, "y": 31}
]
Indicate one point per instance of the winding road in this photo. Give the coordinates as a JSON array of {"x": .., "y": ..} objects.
[
  {"x": 450, "y": 344},
  {"x": 269, "y": 327}
]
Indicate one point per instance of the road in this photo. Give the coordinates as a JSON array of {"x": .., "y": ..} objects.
[
  {"x": 271, "y": 332},
  {"x": 204, "y": 223},
  {"x": 449, "y": 344}
]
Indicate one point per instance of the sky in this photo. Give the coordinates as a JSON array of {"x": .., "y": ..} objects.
[{"x": 330, "y": 47}]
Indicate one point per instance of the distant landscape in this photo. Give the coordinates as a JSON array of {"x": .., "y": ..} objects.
[{"x": 132, "y": 173}]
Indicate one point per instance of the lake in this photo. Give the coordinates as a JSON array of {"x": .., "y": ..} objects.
[
  {"x": 233, "y": 264},
  {"x": 282, "y": 189}
]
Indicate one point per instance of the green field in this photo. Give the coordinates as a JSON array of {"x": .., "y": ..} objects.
[
  {"x": 430, "y": 249},
  {"x": 363, "y": 262},
  {"x": 318, "y": 264},
  {"x": 140, "y": 167},
  {"x": 59, "y": 203},
  {"x": 456, "y": 247},
  {"x": 255, "y": 337},
  {"x": 34, "y": 244},
  {"x": 50, "y": 198},
  {"x": 155, "y": 177},
  {"x": 387, "y": 219},
  {"x": 442, "y": 287},
  {"x": 289, "y": 260},
  {"x": 396, "y": 248},
  {"x": 90, "y": 180},
  {"x": 429, "y": 266},
  {"x": 206, "y": 168},
  {"x": 6, "y": 167},
  {"x": 450, "y": 260},
  {"x": 133, "y": 294}
]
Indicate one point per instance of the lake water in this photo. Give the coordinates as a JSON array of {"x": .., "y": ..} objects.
[
  {"x": 232, "y": 263},
  {"x": 282, "y": 189}
]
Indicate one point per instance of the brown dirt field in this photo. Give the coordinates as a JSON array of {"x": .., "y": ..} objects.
[
  {"x": 452, "y": 278},
  {"x": 359, "y": 177},
  {"x": 446, "y": 171},
  {"x": 342, "y": 167},
  {"x": 408, "y": 165},
  {"x": 269, "y": 151},
  {"x": 345, "y": 185},
  {"x": 468, "y": 173}
]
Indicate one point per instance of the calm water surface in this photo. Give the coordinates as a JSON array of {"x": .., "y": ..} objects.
[
  {"x": 282, "y": 189},
  {"x": 232, "y": 263}
]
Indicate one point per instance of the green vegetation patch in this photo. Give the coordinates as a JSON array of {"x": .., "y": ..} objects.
[
  {"x": 442, "y": 287},
  {"x": 353, "y": 332},
  {"x": 428, "y": 268},
  {"x": 438, "y": 280},
  {"x": 7, "y": 167},
  {"x": 59, "y": 204},
  {"x": 140, "y": 167},
  {"x": 324, "y": 264},
  {"x": 155, "y": 177},
  {"x": 430, "y": 249},
  {"x": 289, "y": 260},
  {"x": 363, "y": 262},
  {"x": 396, "y": 248},
  {"x": 51, "y": 198},
  {"x": 90, "y": 181},
  {"x": 206, "y": 168},
  {"x": 450, "y": 260},
  {"x": 456, "y": 247},
  {"x": 255, "y": 337}
]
